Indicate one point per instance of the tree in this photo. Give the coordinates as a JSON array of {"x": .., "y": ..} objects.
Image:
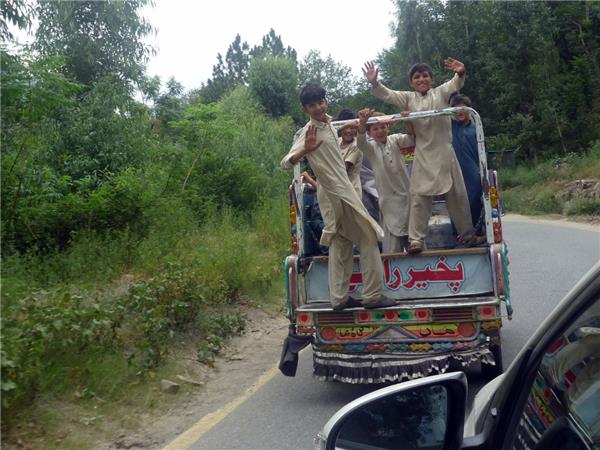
[
  {"x": 273, "y": 80},
  {"x": 335, "y": 77},
  {"x": 228, "y": 73},
  {"x": 96, "y": 39},
  {"x": 532, "y": 66},
  {"x": 16, "y": 12},
  {"x": 272, "y": 45},
  {"x": 233, "y": 70},
  {"x": 169, "y": 106}
]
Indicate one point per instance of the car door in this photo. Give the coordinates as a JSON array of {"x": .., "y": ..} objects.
[
  {"x": 562, "y": 410},
  {"x": 550, "y": 397}
]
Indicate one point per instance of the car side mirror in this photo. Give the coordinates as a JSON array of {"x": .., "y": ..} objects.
[{"x": 427, "y": 413}]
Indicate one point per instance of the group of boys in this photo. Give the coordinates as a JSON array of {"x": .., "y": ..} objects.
[{"x": 405, "y": 202}]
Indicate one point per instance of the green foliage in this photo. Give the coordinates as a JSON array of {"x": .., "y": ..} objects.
[
  {"x": 97, "y": 39},
  {"x": 550, "y": 188},
  {"x": 273, "y": 80},
  {"x": 335, "y": 77},
  {"x": 583, "y": 206},
  {"x": 162, "y": 305},
  {"x": 219, "y": 327},
  {"x": 42, "y": 327},
  {"x": 15, "y": 12},
  {"x": 49, "y": 218},
  {"x": 261, "y": 139},
  {"x": 272, "y": 45},
  {"x": 184, "y": 199},
  {"x": 541, "y": 89},
  {"x": 233, "y": 71},
  {"x": 168, "y": 106}
]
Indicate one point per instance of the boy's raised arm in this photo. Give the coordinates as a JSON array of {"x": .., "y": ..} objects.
[
  {"x": 380, "y": 91},
  {"x": 301, "y": 147},
  {"x": 361, "y": 138},
  {"x": 458, "y": 81},
  {"x": 371, "y": 72},
  {"x": 455, "y": 66}
]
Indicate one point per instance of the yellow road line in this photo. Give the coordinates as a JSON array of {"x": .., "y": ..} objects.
[{"x": 195, "y": 432}]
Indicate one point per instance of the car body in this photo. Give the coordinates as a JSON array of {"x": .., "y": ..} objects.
[{"x": 548, "y": 399}]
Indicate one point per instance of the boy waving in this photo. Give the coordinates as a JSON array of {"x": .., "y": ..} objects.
[{"x": 435, "y": 169}]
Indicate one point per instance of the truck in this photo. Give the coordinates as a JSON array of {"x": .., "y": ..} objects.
[{"x": 451, "y": 299}]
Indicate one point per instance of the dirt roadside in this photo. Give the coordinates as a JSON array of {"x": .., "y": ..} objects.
[{"x": 244, "y": 359}]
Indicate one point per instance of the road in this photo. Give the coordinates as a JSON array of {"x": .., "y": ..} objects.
[{"x": 546, "y": 259}]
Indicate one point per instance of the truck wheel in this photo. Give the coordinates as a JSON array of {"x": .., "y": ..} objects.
[{"x": 490, "y": 372}]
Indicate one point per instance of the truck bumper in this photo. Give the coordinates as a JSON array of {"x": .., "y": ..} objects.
[{"x": 369, "y": 368}]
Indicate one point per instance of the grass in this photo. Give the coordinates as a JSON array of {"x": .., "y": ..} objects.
[
  {"x": 81, "y": 416},
  {"x": 93, "y": 328},
  {"x": 547, "y": 187}
]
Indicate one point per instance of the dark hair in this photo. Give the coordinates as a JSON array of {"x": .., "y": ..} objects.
[
  {"x": 420, "y": 67},
  {"x": 346, "y": 114},
  {"x": 311, "y": 93},
  {"x": 459, "y": 99}
]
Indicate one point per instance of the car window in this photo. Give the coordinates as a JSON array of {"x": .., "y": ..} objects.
[
  {"x": 418, "y": 420},
  {"x": 563, "y": 407}
]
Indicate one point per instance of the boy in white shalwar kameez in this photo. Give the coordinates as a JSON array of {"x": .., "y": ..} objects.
[
  {"x": 435, "y": 170},
  {"x": 318, "y": 141},
  {"x": 391, "y": 178}
]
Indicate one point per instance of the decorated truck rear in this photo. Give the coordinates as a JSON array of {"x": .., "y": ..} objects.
[{"x": 451, "y": 300}]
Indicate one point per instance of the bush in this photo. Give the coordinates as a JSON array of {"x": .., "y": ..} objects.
[
  {"x": 161, "y": 306},
  {"x": 545, "y": 201},
  {"x": 50, "y": 217},
  {"x": 42, "y": 328},
  {"x": 583, "y": 206}
]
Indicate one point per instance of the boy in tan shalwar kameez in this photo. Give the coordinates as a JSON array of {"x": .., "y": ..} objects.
[
  {"x": 435, "y": 170},
  {"x": 351, "y": 223},
  {"x": 391, "y": 178}
]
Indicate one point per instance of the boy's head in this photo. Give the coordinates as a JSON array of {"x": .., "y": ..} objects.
[
  {"x": 420, "y": 77},
  {"x": 378, "y": 130},
  {"x": 314, "y": 103},
  {"x": 348, "y": 132},
  {"x": 456, "y": 100}
]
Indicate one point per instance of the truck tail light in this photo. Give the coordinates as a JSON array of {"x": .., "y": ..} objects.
[
  {"x": 304, "y": 319},
  {"x": 486, "y": 312}
]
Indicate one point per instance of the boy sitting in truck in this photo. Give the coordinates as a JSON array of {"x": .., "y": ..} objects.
[
  {"x": 352, "y": 223},
  {"x": 435, "y": 170},
  {"x": 391, "y": 178}
]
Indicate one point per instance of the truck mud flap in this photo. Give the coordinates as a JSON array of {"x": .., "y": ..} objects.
[
  {"x": 371, "y": 368},
  {"x": 288, "y": 363}
]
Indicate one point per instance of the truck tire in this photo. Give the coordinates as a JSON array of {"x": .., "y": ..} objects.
[{"x": 490, "y": 372}]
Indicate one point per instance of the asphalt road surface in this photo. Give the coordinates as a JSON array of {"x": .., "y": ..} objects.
[{"x": 546, "y": 260}]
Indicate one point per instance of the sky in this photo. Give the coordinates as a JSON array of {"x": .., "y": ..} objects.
[{"x": 192, "y": 32}]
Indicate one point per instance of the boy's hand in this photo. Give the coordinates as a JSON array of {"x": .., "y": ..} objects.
[
  {"x": 310, "y": 140},
  {"x": 363, "y": 116},
  {"x": 455, "y": 65},
  {"x": 408, "y": 125},
  {"x": 371, "y": 72},
  {"x": 308, "y": 179}
]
